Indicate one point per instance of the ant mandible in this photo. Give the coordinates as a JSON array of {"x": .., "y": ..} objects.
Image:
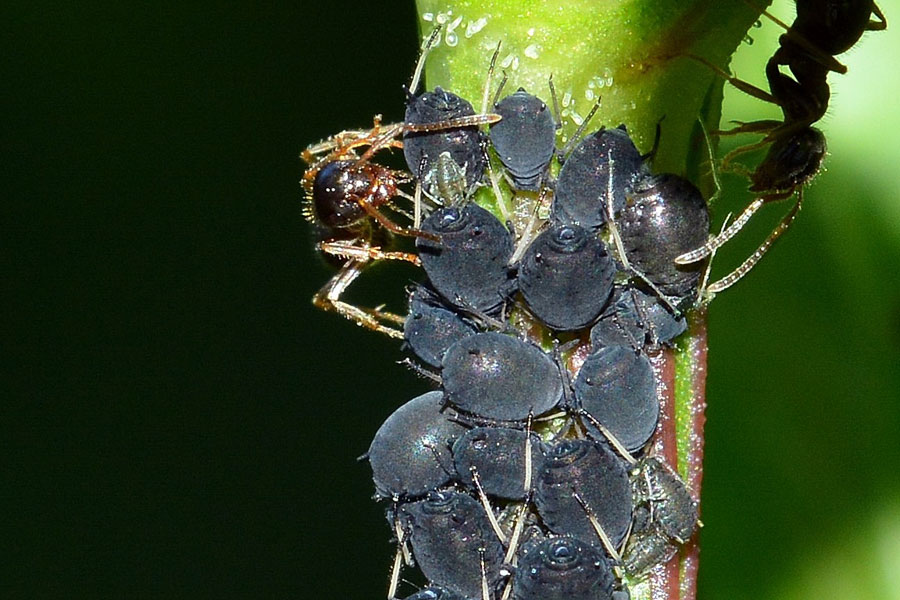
[{"x": 821, "y": 30}]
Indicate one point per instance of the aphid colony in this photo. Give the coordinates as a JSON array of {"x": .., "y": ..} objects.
[
  {"x": 518, "y": 477},
  {"x": 522, "y": 475}
]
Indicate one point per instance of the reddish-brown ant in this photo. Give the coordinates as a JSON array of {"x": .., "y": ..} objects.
[
  {"x": 821, "y": 30},
  {"x": 345, "y": 195}
]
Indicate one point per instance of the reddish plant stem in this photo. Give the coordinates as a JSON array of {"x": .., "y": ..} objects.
[{"x": 677, "y": 579}]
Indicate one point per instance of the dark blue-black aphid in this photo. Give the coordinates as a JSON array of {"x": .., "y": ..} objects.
[
  {"x": 498, "y": 455},
  {"x": 499, "y": 377},
  {"x": 665, "y": 516},
  {"x": 448, "y": 531},
  {"x": 563, "y": 568},
  {"x": 616, "y": 386},
  {"x": 410, "y": 454},
  {"x": 431, "y": 327},
  {"x": 468, "y": 266},
  {"x": 598, "y": 477},
  {"x": 665, "y": 217},
  {"x": 525, "y": 139},
  {"x": 422, "y": 148},
  {"x": 633, "y": 318},
  {"x": 583, "y": 185},
  {"x": 566, "y": 277}
]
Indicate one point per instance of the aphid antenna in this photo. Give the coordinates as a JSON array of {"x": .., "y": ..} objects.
[
  {"x": 487, "y": 506},
  {"x": 420, "y": 370},
  {"x": 556, "y": 114},
  {"x": 429, "y": 44},
  {"x": 570, "y": 145},
  {"x": 612, "y": 439},
  {"x": 733, "y": 277},
  {"x": 604, "y": 539},
  {"x": 487, "y": 83}
]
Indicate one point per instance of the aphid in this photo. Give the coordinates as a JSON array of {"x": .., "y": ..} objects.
[
  {"x": 498, "y": 456},
  {"x": 664, "y": 216},
  {"x": 637, "y": 320},
  {"x": 431, "y": 327},
  {"x": 450, "y": 536},
  {"x": 563, "y": 568},
  {"x": 665, "y": 516},
  {"x": 464, "y": 143},
  {"x": 499, "y": 377},
  {"x": 616, "y": 386},
  {"x": 586, "y": 470},
  {"x": 468, "y": 265},
  {"x": 525, "y": 138},
  {"x": 821, "y": 30},
  {"x": 604, "y": 163},
  {"x": 410, "y": 454},
  {"x": 566, "y": 277}
]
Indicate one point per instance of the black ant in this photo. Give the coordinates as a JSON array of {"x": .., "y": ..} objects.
[
  {"x": 821, "y": 30},
  {"x": 344, "y": 195}
]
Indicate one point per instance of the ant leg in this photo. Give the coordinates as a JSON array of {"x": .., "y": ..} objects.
[
  {"x": 328, "y": 297},
  {"x": 733, "y": 277},
  {"x": 761, "y": 126},
  {"x": 394, "y": 228},
  {"x": 747, "y": 88},
  {"x": 880, "y": 24}
]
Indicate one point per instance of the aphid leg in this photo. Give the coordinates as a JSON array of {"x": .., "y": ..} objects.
[
  {"x": 421, "y": 371},
  {"x": 485, "y": 589},
  {"x": 487, "y": 506},
  {"x": 656, "y": 137},
  {"x": 607, "y": 543},
  {"x": 510, "y": 557},
  {"x": 620, "y": 247},
  {"x": 417, "y": 206},
  {"x": 528, "y": 465},
  {"x": 613, "y": 440},
  {"x": 401, "y": 556},
  {"x": 528, "y": 234},
  {"x": 498, "y": 195},
  {"x": 733, "y": 277}
]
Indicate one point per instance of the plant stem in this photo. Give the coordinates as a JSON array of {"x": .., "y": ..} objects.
[{"x": 631, "y": 53}]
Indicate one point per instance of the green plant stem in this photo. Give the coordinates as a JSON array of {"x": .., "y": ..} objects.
[{"x": 634, "y": 55}]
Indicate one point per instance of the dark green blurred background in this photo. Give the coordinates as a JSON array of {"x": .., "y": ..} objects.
[{"x": 179, "y": 421}]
